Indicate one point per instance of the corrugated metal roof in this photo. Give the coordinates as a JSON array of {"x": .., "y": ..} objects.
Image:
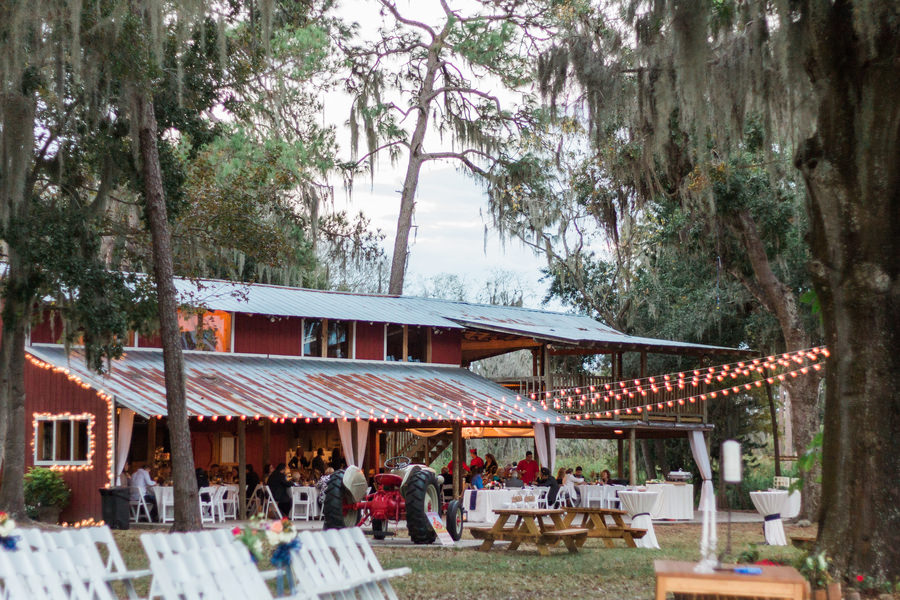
[
  {"x": 408, "y": 310},
  {"x": 251, "y": 385}
]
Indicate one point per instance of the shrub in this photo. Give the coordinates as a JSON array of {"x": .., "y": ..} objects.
[{"x": 45, "y": 488}]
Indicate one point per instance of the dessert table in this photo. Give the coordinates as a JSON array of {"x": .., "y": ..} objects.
[
  {"x": 639, "y": 505},
  {"x": 676, "y": 501},
  {"x": 771, "y": 504}
]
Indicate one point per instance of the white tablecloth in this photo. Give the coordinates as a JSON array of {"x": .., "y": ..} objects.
[
  {"x": 772, "y": 505},
  {"x": 793, "y": 505},
  {"x": 676, "y": 502},
  {"x": 487, "y": 500},
  {"x": 639, "y": 506}
]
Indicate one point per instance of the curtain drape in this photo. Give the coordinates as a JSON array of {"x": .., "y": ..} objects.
[
  {"x": 123, "y": 440},
  {"x": 707, "y": 504},
  {"x": 354, "y": 447}
]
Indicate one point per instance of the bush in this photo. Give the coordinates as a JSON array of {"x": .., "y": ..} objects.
[{"x": 45, "y": 488}]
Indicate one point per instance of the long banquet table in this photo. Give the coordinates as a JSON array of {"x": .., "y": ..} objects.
[
  {"x": 676, "y": 501},
  {"x": 481, "y": 509}
]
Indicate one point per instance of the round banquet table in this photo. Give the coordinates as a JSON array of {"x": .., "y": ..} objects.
[
  {"x": 480, "y": 504},
  {"x": 639, "y": 506},
  {"x": 771, "y": 505},
  {"x": 676, "y": 501}
]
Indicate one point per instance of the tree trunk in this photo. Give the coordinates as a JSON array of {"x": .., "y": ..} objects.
[
  {"x": 411, "y": 182},
  {"x": 187, "y": 508},
  {"x": 851, "y": 166}
]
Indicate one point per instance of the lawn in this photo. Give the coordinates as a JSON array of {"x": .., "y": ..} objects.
[{"x": 596, "y": 572}]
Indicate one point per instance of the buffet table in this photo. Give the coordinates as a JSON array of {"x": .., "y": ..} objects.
[{"x": 676, "y": 501}]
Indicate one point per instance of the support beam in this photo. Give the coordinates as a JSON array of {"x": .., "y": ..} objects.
[
  {"x": 632, "y": 457},
  {"x": 151, "y": 440},
  {"x": 545, "y": 369},
  {"x": 242, "y": 469},
  {"x": 267, "y": 432},
  {"x": 643, "y": 363},
  {"x": 620, "y": 462},
  {"x": 458, "y": 454}
]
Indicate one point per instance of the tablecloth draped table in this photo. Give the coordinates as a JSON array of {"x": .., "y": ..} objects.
[
  {"x": 771, "y": 505},
  {"x": 676, "y": 501},
  {"x": 485, "y": 501},
  {"x": 639, "y": 506},
  {"x": 793, "y": 505}
]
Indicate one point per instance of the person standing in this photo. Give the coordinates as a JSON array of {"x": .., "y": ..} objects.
[
  {"x": 318, "y": 463},
  {"x": 528, "y": 468},
  {"x": 476, "y": 462}
]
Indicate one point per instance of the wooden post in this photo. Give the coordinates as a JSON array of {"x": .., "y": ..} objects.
[
  {"x": 545, "y": 368},
  {"x": 620, "y": 463},
  {"x": 632, "y": 457},
  {"x": 151, "y": 440},
  {"x": 242, "y": 469},
  {"x": 643, "y": 363},
  {"x": 267, "y": 431},
  {"x": 458, "y": 457}
]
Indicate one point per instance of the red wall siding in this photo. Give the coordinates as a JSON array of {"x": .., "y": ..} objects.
[
  {"x": 203, "y": 437},
  {"x": 149, "y": 341},
  {"x": 446, "y": 346},
  {"x": 49, "y": 392},
  {"x": 369, "y": 340},
  {"x": 258, "y": 334},
  {"x": 49, "y": 330}
]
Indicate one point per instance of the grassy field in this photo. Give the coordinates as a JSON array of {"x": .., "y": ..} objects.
[{"x": 596, "y": 572}]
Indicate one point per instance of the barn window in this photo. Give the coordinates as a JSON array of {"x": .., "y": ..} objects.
[{"x": 63, "y": 439}]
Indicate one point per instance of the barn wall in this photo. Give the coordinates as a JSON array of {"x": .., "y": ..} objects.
[
  {"x": 49, "y": 330},
  {"x": 50, "y": 392},
  {"x": 446, "y": 346},
  {"x": 369, "y": 340},
  {"x": 260, "y": 334}
]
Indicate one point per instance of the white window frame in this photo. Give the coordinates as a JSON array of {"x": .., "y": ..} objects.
[{"x": 68, "y": 420}]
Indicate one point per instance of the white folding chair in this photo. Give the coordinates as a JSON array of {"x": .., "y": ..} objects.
[
  {"x": 301, "y": 503},
  {"x": 270, "y": 503},
  {"x": 138, "y": 504},
  {"x": 166, "y": 499},
  {"x": 47, "y": 574},
  {"x": 207, "y": 498},
  {"x": 229, "y": 502},
  {"x": 541, "y": 493},
  {"x": 357, "y": 561},
  {"x": 258, "y": 499}
]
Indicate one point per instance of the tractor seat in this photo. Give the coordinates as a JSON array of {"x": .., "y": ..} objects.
[{"x": 388, "y": 480}]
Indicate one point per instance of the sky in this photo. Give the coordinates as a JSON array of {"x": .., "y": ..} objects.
[{"x": 451, "y": 212}]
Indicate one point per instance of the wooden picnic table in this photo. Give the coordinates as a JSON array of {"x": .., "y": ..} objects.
[
  {"x": 530, "y": 527},
  {"x": 774, "y": 582},
  {"x": 594, "y": 520}
]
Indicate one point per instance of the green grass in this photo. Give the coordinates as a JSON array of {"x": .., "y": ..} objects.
[{"x": 595, "y": 572}]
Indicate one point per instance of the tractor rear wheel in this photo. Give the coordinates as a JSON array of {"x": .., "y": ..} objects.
[
  {"x": 337, "y": 500},
  {"x": 421, "y": 498}
]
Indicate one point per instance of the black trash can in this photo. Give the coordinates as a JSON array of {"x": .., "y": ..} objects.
[{"x": 115, "y": 508}]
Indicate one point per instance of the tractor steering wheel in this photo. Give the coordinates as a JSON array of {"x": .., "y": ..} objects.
[{"x": 397, "y": 462}]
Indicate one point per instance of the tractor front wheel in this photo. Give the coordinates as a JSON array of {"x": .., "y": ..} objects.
[
  {"x": 379, "y": 529},
  {"x": 455, "y": 519},
  {"x": 336, "y": 507},
  {"x": 421, "y": 498}
]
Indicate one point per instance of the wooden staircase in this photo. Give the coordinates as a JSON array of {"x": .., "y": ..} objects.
[{"x": 422, "y": 450}]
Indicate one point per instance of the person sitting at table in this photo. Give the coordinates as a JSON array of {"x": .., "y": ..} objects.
[
  {"x": 267, "y": 470},
  {"x": 571, "y": 483},
  {"x": 490, "y": 465},
  {"x": 252, "y": 480},
  {"x": 447, "y": 474},
  {"x": 514, "y": 480},
  {"x": 561, "y": 475},
  {"x": 202, "y": 477},
  {"x": 322, "y": 484},
  {"x": 605, "y": 477},
  {"x": 279, "y": 485},
  {"x": 545, "y": 479},
  {"x": 140, "y": 484},
  {"x": 476, "y": 482}
]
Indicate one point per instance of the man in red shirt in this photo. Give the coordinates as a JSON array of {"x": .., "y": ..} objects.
[
  {"x": 528, "y": 468},
  {"x": 476, "y": 460}
]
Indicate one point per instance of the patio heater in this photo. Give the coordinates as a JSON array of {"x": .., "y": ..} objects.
[{"x": 731, "y": 473}]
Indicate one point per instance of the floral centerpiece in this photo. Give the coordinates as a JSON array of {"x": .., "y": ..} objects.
[
  {"x": 7, "y": 526},
  {"x": 281, "y": 536}
]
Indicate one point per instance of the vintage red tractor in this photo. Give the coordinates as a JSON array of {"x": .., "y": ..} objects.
[{"x": 408, "y": 492}]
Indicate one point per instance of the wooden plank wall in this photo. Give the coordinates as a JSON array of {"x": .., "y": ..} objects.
[
  {"x": 261, "y": 334},
  {"x": 49, "y": 392},
  {"x": 446, "y": 346},
  {"x": 369, "y": 340}
]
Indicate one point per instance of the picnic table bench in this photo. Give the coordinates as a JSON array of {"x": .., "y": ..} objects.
[
  {"x": 594, "y": 520},
  {"x": 530, "y": 527},
  {"x": 804, "y": 542}
]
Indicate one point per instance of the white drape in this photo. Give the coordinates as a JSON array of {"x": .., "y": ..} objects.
[
  {"x": 123, "y": 440},
  {"x": 354, "y": 449},
  {"x": 545, "y": 443},
  {"x": 707, "y": 504},
  {"x": 362, "y": 436}
]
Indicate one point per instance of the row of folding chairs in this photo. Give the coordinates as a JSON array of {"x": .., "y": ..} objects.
[
  {"x": 217, "y": 503},
  {"x": 334, "y": 564},
  {"x": 65, "y": 564},
  {"x": 303, "y": 504}
]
